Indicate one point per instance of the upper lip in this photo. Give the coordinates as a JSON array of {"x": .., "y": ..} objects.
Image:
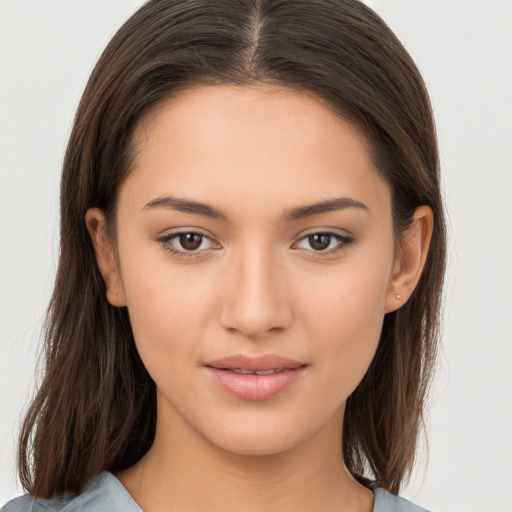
[{"x": 259, "y": 363}]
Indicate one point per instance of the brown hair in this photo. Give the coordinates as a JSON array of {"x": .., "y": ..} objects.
[{"x": 96, "y": 408}]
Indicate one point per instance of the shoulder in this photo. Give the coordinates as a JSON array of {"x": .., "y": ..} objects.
[
  {"x": 387, "y": 502},
  {"x": 105, "y": 492}
]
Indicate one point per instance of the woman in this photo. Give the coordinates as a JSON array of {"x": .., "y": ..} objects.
[{"x": 252, "y": 253}]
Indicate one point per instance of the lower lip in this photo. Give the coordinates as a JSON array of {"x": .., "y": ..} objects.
[{"x": 255, "y": 387}]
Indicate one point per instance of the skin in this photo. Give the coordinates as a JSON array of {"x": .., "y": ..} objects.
[{"x": 256, "y": 285}]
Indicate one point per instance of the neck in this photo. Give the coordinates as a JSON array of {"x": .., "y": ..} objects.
[{"x": 188, "y": 473}]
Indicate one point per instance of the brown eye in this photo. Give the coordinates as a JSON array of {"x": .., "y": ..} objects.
[
  {"x": 325, "y": 243},
  {"x": 188, "y": 244},
  {"x": 190, "y": 241},
  {"x": 319, "y": 241}
]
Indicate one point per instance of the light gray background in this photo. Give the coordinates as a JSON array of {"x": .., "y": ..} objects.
[{"x": 464, "y": 49}]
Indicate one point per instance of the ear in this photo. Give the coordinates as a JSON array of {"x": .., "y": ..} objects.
[
  {"x": 410, "y": 261},
  {"x": 105, "y": 256}
]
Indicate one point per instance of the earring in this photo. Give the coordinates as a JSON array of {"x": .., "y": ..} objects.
[
  {"x": 115, "y": 293},
  {"x": 397, "y": 295}
]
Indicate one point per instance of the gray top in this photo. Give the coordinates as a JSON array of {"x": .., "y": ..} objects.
[{"x": 106, "y": 493}]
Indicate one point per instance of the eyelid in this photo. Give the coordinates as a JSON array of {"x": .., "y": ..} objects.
[
  {"x": 344, "y": 240},
  {"x": 168, "y": 237}
]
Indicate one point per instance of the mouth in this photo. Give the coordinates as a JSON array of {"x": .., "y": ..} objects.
[
  {"x": 247, "y": 364},
  {"x": 255, "y": 378},
  {"x": 242, "y": 371}
]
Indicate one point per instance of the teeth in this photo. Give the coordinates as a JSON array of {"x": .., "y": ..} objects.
[
  {"x": 256, "y": 372},
  {"x": 269, "y": 372}
]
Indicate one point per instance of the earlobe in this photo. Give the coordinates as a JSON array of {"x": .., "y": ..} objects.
[
  {"x": 414, "y": 250},
  {"x": 105, "y": 256}
]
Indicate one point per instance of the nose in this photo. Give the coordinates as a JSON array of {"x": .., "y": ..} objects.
[{"x": 256, "y": 300}]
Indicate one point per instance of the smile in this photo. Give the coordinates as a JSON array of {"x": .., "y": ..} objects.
[
  {"x": 254, "y": 372},
  {"x": 255, "y": 379}
]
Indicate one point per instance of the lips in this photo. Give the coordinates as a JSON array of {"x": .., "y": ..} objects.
[
  {"x": 255, "y": 378},
  {"x": 261, "y": 363}
]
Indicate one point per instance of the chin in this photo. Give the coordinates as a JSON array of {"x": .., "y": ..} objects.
[
  {"x": 255, "y": 445},
  {"x": 259, "y": 436}
]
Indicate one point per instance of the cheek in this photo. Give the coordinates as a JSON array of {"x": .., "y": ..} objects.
[
  {"x": 351, "y": 308},
  {"x": 167, "y": 310}
]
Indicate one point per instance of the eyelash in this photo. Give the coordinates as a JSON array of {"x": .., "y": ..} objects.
[
  {"x": 343, "y": 242},
  {"x": 182, "y": 253}
]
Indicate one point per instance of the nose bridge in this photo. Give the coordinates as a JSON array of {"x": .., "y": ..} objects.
[{"x": 255, "y": 300}]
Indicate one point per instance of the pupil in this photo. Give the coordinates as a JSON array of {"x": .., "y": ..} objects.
[
  {"x": 190, "y": 241},
  {"x": 319, "y": 242}
]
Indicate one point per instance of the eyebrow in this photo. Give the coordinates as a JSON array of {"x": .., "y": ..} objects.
[
  {"x": 186, "y": 206},
  {"x": 205, "y": 210},
  {"x": 340, "y": 203}
]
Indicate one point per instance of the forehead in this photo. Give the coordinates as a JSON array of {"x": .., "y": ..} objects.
[
  {"x": 269, "y": 143},
  {"x": 212, "y": 110}
]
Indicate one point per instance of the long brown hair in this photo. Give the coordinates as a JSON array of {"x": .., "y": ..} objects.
[{"x": 96, "y": 409}]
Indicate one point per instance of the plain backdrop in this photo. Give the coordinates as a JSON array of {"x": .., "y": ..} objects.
[{"x": 464, "y": 50}]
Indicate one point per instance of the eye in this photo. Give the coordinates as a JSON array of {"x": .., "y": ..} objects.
[
  {"x": 324, "y": 242},
  {"x": 187, "y": 242}
]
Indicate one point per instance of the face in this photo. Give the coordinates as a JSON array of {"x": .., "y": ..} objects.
[{"x": 253, "y": 234}]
